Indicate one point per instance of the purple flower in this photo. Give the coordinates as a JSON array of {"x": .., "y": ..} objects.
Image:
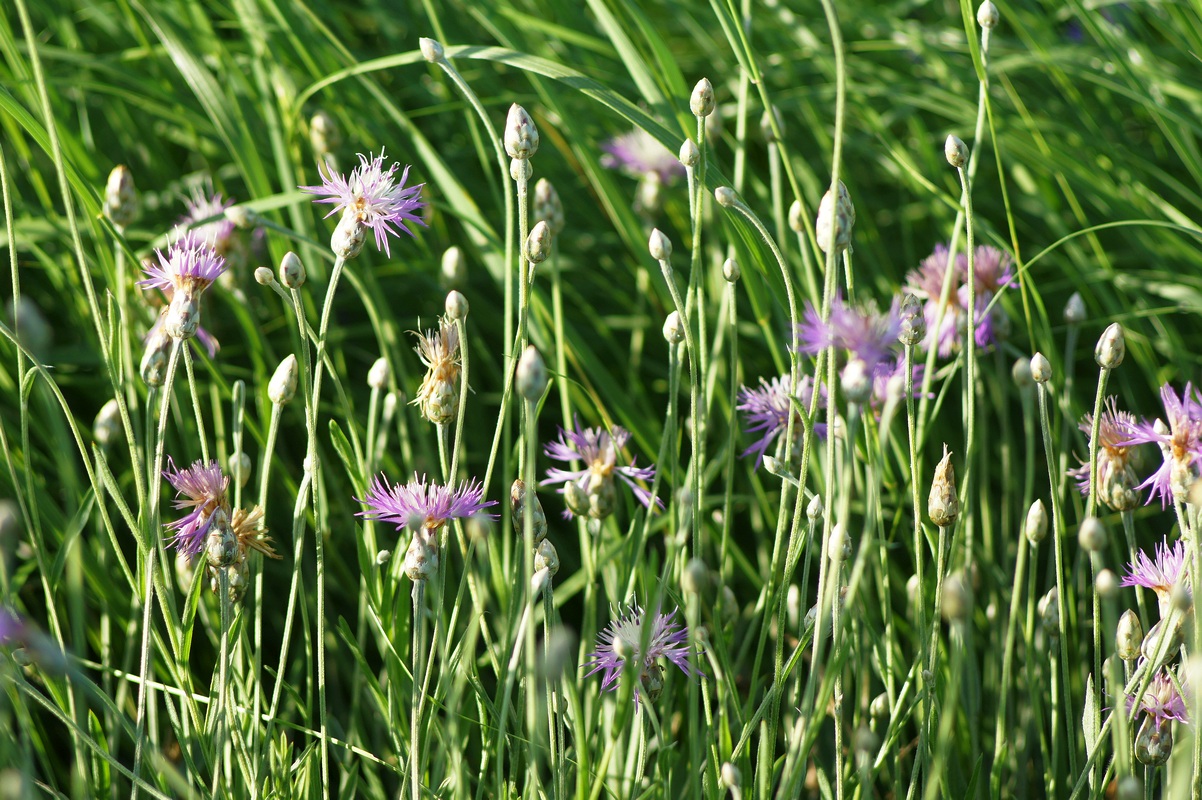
[
  {"x": 888, "y": 370},
  {"x": 1114, "y": 429},
  {"x": 766, "y": 411},
  {"x": 423, "y": 505},
  {"x": 1161, "y": 574},
  {"x": 200, "y": 487},
  {"x": 190, "y": 266},
  {"x": 864, "y": 333},
  {"x": 203, "y": 205},
  {"x": 374, "y": 196},
  {"x": 622, "y": 641},
  {"x": 638, "y": 153},
  {"x": 991, "y": 273},
  {"x": 1161, "y": 701},
  {"x": 12, "y": 628},
  {"x": 590, "y": 490},
  {"x": 1180, "y": 443}
]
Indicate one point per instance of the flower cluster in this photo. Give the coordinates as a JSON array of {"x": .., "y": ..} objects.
[
  {"x": 590, "y": 491},
  {"x": 622, "y": 643},
  {"x": 946, "y": 329},
  {"x": 225, "y": 536}
]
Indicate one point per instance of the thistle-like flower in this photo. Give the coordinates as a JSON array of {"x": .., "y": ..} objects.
[
  {"x": 864, "y": 333},
  {"x": 438, "y": 397},
  {"x": 1161, "y": 574},
  {"x": 991, "y": 274},
  {"x": 1117, "y": 481},
  {"x": 201, "y": 488},
  {"x": 639, "y": 154},
  {"x": 590, "y": 491},
  {"x": 1180, "y": 443},
  {"x": 190, "y": 266},
  {"x": 766, "y": 411},
  {"x": 1161, "y": 701},
  {"x": 203, "y": 205},
  {"x": 370, "y": 197},
  {"x": 622, "y": 643}
]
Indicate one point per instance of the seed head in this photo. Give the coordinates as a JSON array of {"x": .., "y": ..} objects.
[
  {"x": 701, "y": 102},
  {"x": 943, "y": 505},
  {"x": 282, "y": 386},
  {"x": 1111, "y": 347},
  {"x": 521, "y": 135}
]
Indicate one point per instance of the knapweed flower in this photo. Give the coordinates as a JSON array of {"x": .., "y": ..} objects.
[
  {"x": 201, "y": 488},
  {"x": 590, "y": 491},
  {"x": 639, "y": 154},
  {"x": 766, "y": 411},
  {"x": 425, "y": 508},
  {"x": 1117, "y": 481},
  {"x": 1180, "y": 443},
  {"x": 371, "y": 197},
  {"x": 1160, "y": 574},
  {"x": 864, "y": 333},
  {"x": 991, "y": 273},
  {"x": 622, "y": 643},
  {"x": 438, "y": 397},
  {"x": 190, "y": 266},
  {"x": 205, "y": 204},
  {"x": 1161, "y": 700}
]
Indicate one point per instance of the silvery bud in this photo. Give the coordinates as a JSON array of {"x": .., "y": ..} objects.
[
  {"x": 879, "y": 707},
  {"x": 264, "y": 276},
  {"x": 1036, "y": 526},
  {"x": 987, "y": 16},
  {"x": 521, "y": 135},
  {"x": 156, "y": 358},
  {"x": 519, "y": 497},
  {"x": 913, "y": 323},
  {"x": 814, "y": 509},
  {"x": 377, "y": 376},
  {"x": 838, "y": 548},
  {"x": 456, "y": 306},
  {"x": 546, "y": 558},
  {"x": 856, "y": 381},
  {"x": 242, "y": 217},
  {"x": 955, "y": 151},
  {"x": 1074, "y": 310},
  {"x": 531, "y": 375},
  {"x": 1021, "y": 373},
  {"x": 383, "y": 557},
  {"x": 221, "y": 545},
  {"x": 943, "y": 505},
  {"x": 1154, "y": 742},
  {"x": 796, "y": 217},
  {"x": 1172, "y": 632},
  {"x": 701, "y": 102},
  {"x": 689, "y": 154},
  {"x": 1111, "y": 347},
  {"x": 659, "y": 245},
  {"x": 1091, "y": 535},
  {"x": 120, "y": 197},
  {"x": 1041, "y": 368},
  {"x": 548, "y": 207},
  {"x": 183, "y": 315},
  {"x": 673, "y": 329},
  {"x": 240, "y": 466},
  {"x": 282, "y": 386},
  {"x": 725, "y": 196},
  {"x": 107, "y": 426},
  {"x": 836, "y": 218},
  {"x": 731, "y": 270},
  {"x": 349, "y": 236},
  {"x": 431, "y": 50},
  {"x": 520, "y": 170},
  {"x": 538, "y": 243},
  {"x": 1128, "y": 636},
  {"x": 454, "y": 271},
  {"x": 1106, "y": 584},
  {"x": 323, "y": 133},
  {"x": 730, "y": 775},
  {"x": 1049, "y": 612},
  {"x": 957, "y": 599},
  {"x": 292, "y": 271},
  {"x": 696, "y": 576}
]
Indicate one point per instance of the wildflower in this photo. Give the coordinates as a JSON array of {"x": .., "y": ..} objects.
[
  {"x": 991, "y": 274},
  {"x": 1179, "y": 442},
  {"x": 639, "y": 154},
  {"x": 864, "y": 333},
  {"x": 438, "y": 397},
  {"x": 887, "y": 371},
  {"x": 12, "y": 627},
  {"x": 201, "y": 487},
  {"x": 622, "y": 642},
  {"x": 190, "y": 266},
  {"x": 120, "y": 197},
  {"x": 767, "y": 409},
  {"x": 1161, "y": 700},
  {"x": 1116, "y": 474},
  {"x": 371, "y": 198},
  {"x": 590, "y": 491},
  {"x": 1161, "y": 574},
  {"x": 203, "y": 205}
]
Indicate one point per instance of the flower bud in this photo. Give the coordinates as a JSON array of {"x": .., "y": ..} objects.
[
  {"x": 731, "y": 270},
  {"x": 242, "y": 217},
  {"x": 239, "y": 467},
  {"x": 538, "y": 243},
  {"x": 730, "y": 775},
  {"x": 546, "y": 558},
  {"x": 943, "y": 505},
  {"x": 431, "y": 50},
  {"x": 377, "y": 376},
  {"x": 647, "y": 197},
  {"x": 519, "y": 496},
  {"x": 696, "y": 576},
  {"x": 725, "y": 196},
  {"x": 1074, "y": 309},
  {"x": 1106, "y": 584},
  {"x": 521, "y": 135},
  {"x": 107, "y": 426},
  {"x": 689, "y": 154},
  {"x": 383, "y": 557},
  {"x": 1154, "y": 742},
  {"x": 1161, "y": 644},
  {"x": 348, "y": 238},
  {"x": 292, "y": 271},
  {"x": 282, "y": 386},
  {"x": 1049, "y": 612},
  {"x": 548, "y": 207},
  {"x": 1111, "y": 347},
  {"x": 1041, "y": 368},
  {"x": 1128, "y": 636},
  {"x": 183, "y": 315},
  {"x": 673, "y": 329},
  {"x": 120, "y": 197},
  {"x": 957, "y": 598},
  {"x": 264, "y": 276},
  {"x": 659, "y": 245},
  {"x": 856, "y": 381},
  {"x": 955, "y": 151},
  {"x": 814, "y": 509},
  {"x": 836, "y": 218},
  {"x": 156, "y": 357},
  {"x": 221, "y": 545},
  {"x": 456, "y": 306},
  {"x": 987, "y": 16},
  {"x": 323, "y": 134},
  {"x": 421, "y": 559},
  {"x": 531, "y": 375},
  {"x": 701, "y": 102},
  {"x": 1021, "y": 373},
  {"x": 1036, "y": 526},
  {"x": 520, "y": 170},
  {"x": 838, "y": 548},
  {"x": 796, "y": 217},
  {"x": 1091, "y": 535},
  {"x": 913, "y": 324}
]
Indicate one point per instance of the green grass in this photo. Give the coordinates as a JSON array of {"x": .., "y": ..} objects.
[{"x": 336, "y": 674}]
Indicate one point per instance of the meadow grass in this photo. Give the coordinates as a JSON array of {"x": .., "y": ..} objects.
[{"x": 828, "y": 539}]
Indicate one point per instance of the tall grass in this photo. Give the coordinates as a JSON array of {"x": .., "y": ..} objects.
[{"x": 845, "y": 637}]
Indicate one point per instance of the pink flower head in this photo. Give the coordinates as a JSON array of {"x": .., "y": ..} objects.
[
  {"x": 190, "y": 266},
  {"x": 205, "y": 205},
  {"x": 201, "y": 487},
  {"x": 622, "y": 641},
  {"x": 1114, "y": 429},
  {"x": 864, "y": 333},
  {"x": 1160, "y": 574},
  {"x": 766, "y": 411},
  {"x": 991, "y": 274},
  {"x": 638, "y": 153},
  {"x": 598, "y": 449},
  {"x": 379, "y": 200},
  {"x": 1181, "y": 443},
  {"x": 1161, "y": 701},
  {"x": 419, "y": 504}
]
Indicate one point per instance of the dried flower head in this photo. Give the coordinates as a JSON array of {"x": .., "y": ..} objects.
[
  {"x": 438, "y": 397},
  {"x": 590, "y": 491},
  {"x": 622, "y": 643},
  {"x": 372, "y": 197}
]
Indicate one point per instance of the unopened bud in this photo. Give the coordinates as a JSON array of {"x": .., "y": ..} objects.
[
  {"x": 282, "y": 386},
  {"x": 521, "y": 135},
  {"x": 730, "y": 775},
  {"x": 836, "y": 219},
  {"x": 913, "y": 323},
  {"x": 696, "y": 576},
  {"x": 377, "y": 376},
  {"x": 264, "y": 276},
  {"x": 731, "y": 270},
  {"x": 814, "y": 509},
  {"x": 1111, "y": 347},
  {"x": 242, "y": 217},
  {"x": 531, "y": 375},
  {"x": 856, "y": 381},
  {"x": 838, "y": 548},
  {"x": 382, "y": 557},
  {"x": 292, "y": 271},
  {"x": 456, "y": 306},
  {"x": 120, "y": 197},
  {"x": 796, "y": 217},
  {"x": 431, "y": 50},
  {"x": 673, "y": 328},
  {"x": 879, "y": 707},
  {"x": 1106, "y": 584},
  {"x": 548, "y": 207},
  {"x": 955, "y": 151},
  {"x": 454, "y": 271},
  {"x": 957, "y": 599},
  {"x": 725, "y": 196},
  {"x": 1036, "y": 526},
  {"x": 943, "y": 505},
  {"x": 689, "y": 154},
  {"x": 546, "y": 558},
  {"x": 520, "y": 170},
  {"x": 538, "y": 243},
  {"x": 1041, "y": 368},
  {"x": 701, "y": 102},
  {"x": 348, "y": 238},
  {"x": 323, "y": 133},
  {"x": 1128, "y": 636},
  {"x": 987, "y": 16},
  {"x": 240, "y": 466},
  {"x": 107, "y": 426},
  {"x": 659, "y": 245},
  {"x": 1091, "y": 535},
  {"x": 1074, "y": 309},
  {"x": 1021, "y": 373}
]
